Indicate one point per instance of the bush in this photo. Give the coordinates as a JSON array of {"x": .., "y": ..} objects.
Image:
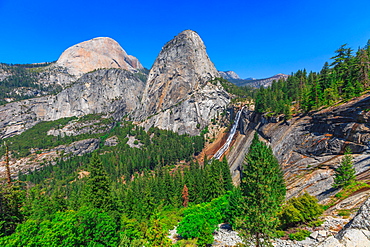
[
  {"x": 86, "y": 227},
  {"x": 300, "y": 235},
  {"x": 315, "y": 223},
  {"x": 201, "y": 220},
  {"x": 186, "y": 243},
  {"x": 279, "y": 234},
  {"x": 290, "y": 215},
  {"x": 301, "y": 209}
]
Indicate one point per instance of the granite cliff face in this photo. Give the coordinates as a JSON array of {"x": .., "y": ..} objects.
[
  {"x": 95, "y": 54},
  {"x": 181, "y": 67},
  {"x": 311, "y": 146},
  {"x": 193, "y": 113},
  {"x": 178, "y": 90},
  {"x": 115, "y": 92},
  {"x": 178, "y": 95}
]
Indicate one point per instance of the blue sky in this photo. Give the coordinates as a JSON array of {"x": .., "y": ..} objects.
[{"x": 253, "y": 38}]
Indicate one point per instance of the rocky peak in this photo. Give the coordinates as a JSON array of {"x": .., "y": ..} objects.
[
  {"x": 181, "y": 67},
  {"x": 229, "y": 75},
  {"x": 102, "y": 52}
]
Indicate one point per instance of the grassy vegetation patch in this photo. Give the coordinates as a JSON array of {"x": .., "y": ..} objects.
[{"x": 350, "y": 189}]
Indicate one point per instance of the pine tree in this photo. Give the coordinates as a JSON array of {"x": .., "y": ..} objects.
[
  {"x": 98, "y": 193},
  {"x": 363, "y": 67},
  {"x": 226, "y": 175},
  {"x": 263, "y": 190},
  {"x": 214, "y": 183},
  {"x": 11, "y": 201},
  {"x": 345, "y": 173}
]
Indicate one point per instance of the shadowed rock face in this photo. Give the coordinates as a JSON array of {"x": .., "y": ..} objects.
[
  {"x": 94, "y": 54},
  {"x": 181, "y": 67},
  {"x": 310, "y": 147}
]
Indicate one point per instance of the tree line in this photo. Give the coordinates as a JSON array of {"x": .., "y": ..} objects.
[{"x": 347, "y": 76}]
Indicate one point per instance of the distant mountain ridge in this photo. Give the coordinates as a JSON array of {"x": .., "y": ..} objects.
[
  {"x": 229, "y": 75},
  {"x": 262, "y": 82},
  {"x": 252, "y": 82}
]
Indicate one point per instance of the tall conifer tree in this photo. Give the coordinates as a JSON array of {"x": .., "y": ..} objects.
[
  {"x": 263, "y": 190},
  {"x": 345, "y": 173},
  {"x": 98, "y": 192}
]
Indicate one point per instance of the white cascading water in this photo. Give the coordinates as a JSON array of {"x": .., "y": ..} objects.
[{"x": 223, "y": 149}]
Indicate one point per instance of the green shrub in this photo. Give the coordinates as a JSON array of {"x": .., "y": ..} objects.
[
  {"x": 186, "y": 243},
  {"x": 86, "y": 227},
  {"x": 300, "y": 235},
  {"x": 348, "y": 190},
  {"x": 290, "y": 215},
  {"x": 300, "y": 209},
  {"x": 315, "y": 223},
  {"x": 279, "y": 234},
  {"x": 201, "y": 220}
]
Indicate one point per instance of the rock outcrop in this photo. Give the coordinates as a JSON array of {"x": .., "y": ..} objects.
[
  {"x": 178, "y": 95},
  {"x": 115, "y": 91},
  {"x": 356, "y": 233},
  {"x": 54, "y": 75},
  {"x": 181, "y": 67},
  {"x": 4, "y": 73},
  {"x": 102, "y": 52}
]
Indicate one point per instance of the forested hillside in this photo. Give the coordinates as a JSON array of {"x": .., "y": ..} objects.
[
  {"x": 134, "y": 188},
  {"x": 347, "y": 76},
  {"x": 126, "y": 191},
  {"x": 19, "y": 82}
]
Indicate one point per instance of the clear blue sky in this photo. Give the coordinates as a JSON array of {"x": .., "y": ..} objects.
[{"x": 253, "y": 38}]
